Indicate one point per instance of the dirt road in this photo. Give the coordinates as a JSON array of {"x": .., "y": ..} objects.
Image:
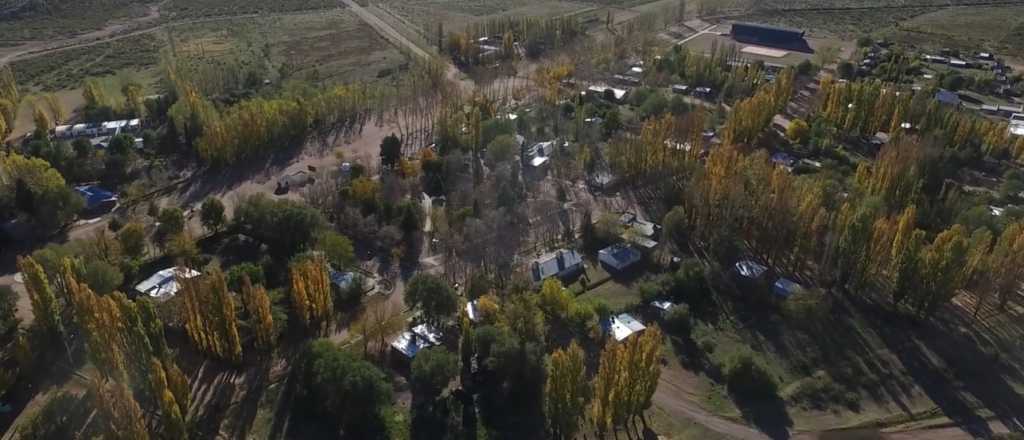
[
  {"x": 386, "y": 30},
  {"x": 677, "y": 396}
]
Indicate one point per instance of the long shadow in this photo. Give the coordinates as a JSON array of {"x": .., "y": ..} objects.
[
  {"x": 256, "y": 384},
  {"x": 768, "y": 415}
]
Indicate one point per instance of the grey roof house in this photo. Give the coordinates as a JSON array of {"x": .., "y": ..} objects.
[{"x": 562, "y": 263}]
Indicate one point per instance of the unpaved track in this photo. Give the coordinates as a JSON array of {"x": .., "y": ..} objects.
[
  {"x": 676, "y": 395},
  {"x": 385, "y": 29}
]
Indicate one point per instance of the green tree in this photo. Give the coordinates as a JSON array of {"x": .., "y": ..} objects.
[
  {"x": 133, "y": 239},
  {"x": 211, "y": 214},
  {"x": 343, "y": 389},
  {"x": 287, "y": 227},
  {"x": 390, "y": 151},
  {"x": 432, "y": 297},
  {"x": 171, "y": 222},
  {"x": 797, "y": 131},
  {"x": 432, "y": 370},
  {"x": 101, "y": 276},
  {"x": 502, "y": 149},
  {"x": 337, "y": 248}
]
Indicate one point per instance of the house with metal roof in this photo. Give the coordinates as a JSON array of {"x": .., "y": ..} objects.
[
  {"x": 750, "y": 269},
  {"x": 96, "y": 198},
  {"x": 619, "y": 257},
  {"x": 409, "y": 343},
  {"x": 622, "y": 326},
  {"x": 563, "y": 263},
  {"x": 164, "y": 284}
]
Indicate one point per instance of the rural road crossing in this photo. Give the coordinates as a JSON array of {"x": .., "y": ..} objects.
[{"x": 706, "y": 30}]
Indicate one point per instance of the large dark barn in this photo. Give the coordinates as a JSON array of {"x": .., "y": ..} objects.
[{"x": 770, "y": 36}]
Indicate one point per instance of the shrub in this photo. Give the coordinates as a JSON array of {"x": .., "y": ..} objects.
[
  {"x": 820, "y": 390},
  {"x": 748, "y": 377},
  {"x": 678, "y": 320}
]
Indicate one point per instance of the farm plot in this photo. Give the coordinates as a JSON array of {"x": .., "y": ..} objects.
[
  {"x": 455, "y": 15},
  {"x": 67, "y": 69},
  {"x": 998, "y": 29},
  {"x": 182, "y": 9},
  {"x": 21, "y": 20},
  {"x": 329, "y": 47}
]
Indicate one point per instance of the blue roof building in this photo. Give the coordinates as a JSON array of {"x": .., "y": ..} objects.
[
  {"x": 97, "y": 198},
  {"x": 619, "y": 256},
  {"x": 784, "y": 288},
  {"x": 947, "y": 97}
]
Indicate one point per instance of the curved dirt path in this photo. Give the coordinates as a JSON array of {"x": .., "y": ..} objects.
[{"x": 677, "y": 394}]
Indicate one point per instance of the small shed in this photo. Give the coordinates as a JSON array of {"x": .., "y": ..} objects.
[
  {"x": 947, "y": 97},
  {"x": 662, "y": 307},
  {"x": 784, "y": 288}
]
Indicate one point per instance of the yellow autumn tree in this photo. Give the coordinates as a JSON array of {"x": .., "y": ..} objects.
[
  {"x": 311, "y": 293},
  {"x": 566, "y": 391},
  {"x": 261, "y": 319},
  {"x": 119, "y": 409},
  {"x": 209, "y": 314}
]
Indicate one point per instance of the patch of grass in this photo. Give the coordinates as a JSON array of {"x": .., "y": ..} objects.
[
  {"x": 668, "y": 427},
  {"x": 619, "y": 297}
]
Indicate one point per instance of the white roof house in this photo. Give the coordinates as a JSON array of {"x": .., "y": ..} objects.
[
  {"x": 623, "y": 326},
  {"x": 473, "y": 310},
  {"x": 599, "y": 89},
  {"x": 750, "y": 269},
  {"x": 539, "y": 154},
  {"x": 164, "y": 284},
  {"x": 1017, "y": 124},
  {"x": 411, "y": 342}
]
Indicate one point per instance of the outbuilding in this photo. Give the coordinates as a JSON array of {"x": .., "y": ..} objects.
[
  {"x": 622, "y": 326},
  {"x": 619, "y": 257}
]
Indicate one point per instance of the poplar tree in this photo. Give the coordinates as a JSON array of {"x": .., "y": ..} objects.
[
  {"x": 261, "y": 319},
  {"x": 210, "y": 318},
  {"x": 566, "y": 391},
  {"x": 122, "y": 413},
  {"x": 311, "y": 293},
  {"x": 46, "y": 307}
]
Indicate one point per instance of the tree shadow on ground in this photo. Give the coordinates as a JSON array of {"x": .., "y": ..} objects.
[{"x": 767, "y": 414}]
